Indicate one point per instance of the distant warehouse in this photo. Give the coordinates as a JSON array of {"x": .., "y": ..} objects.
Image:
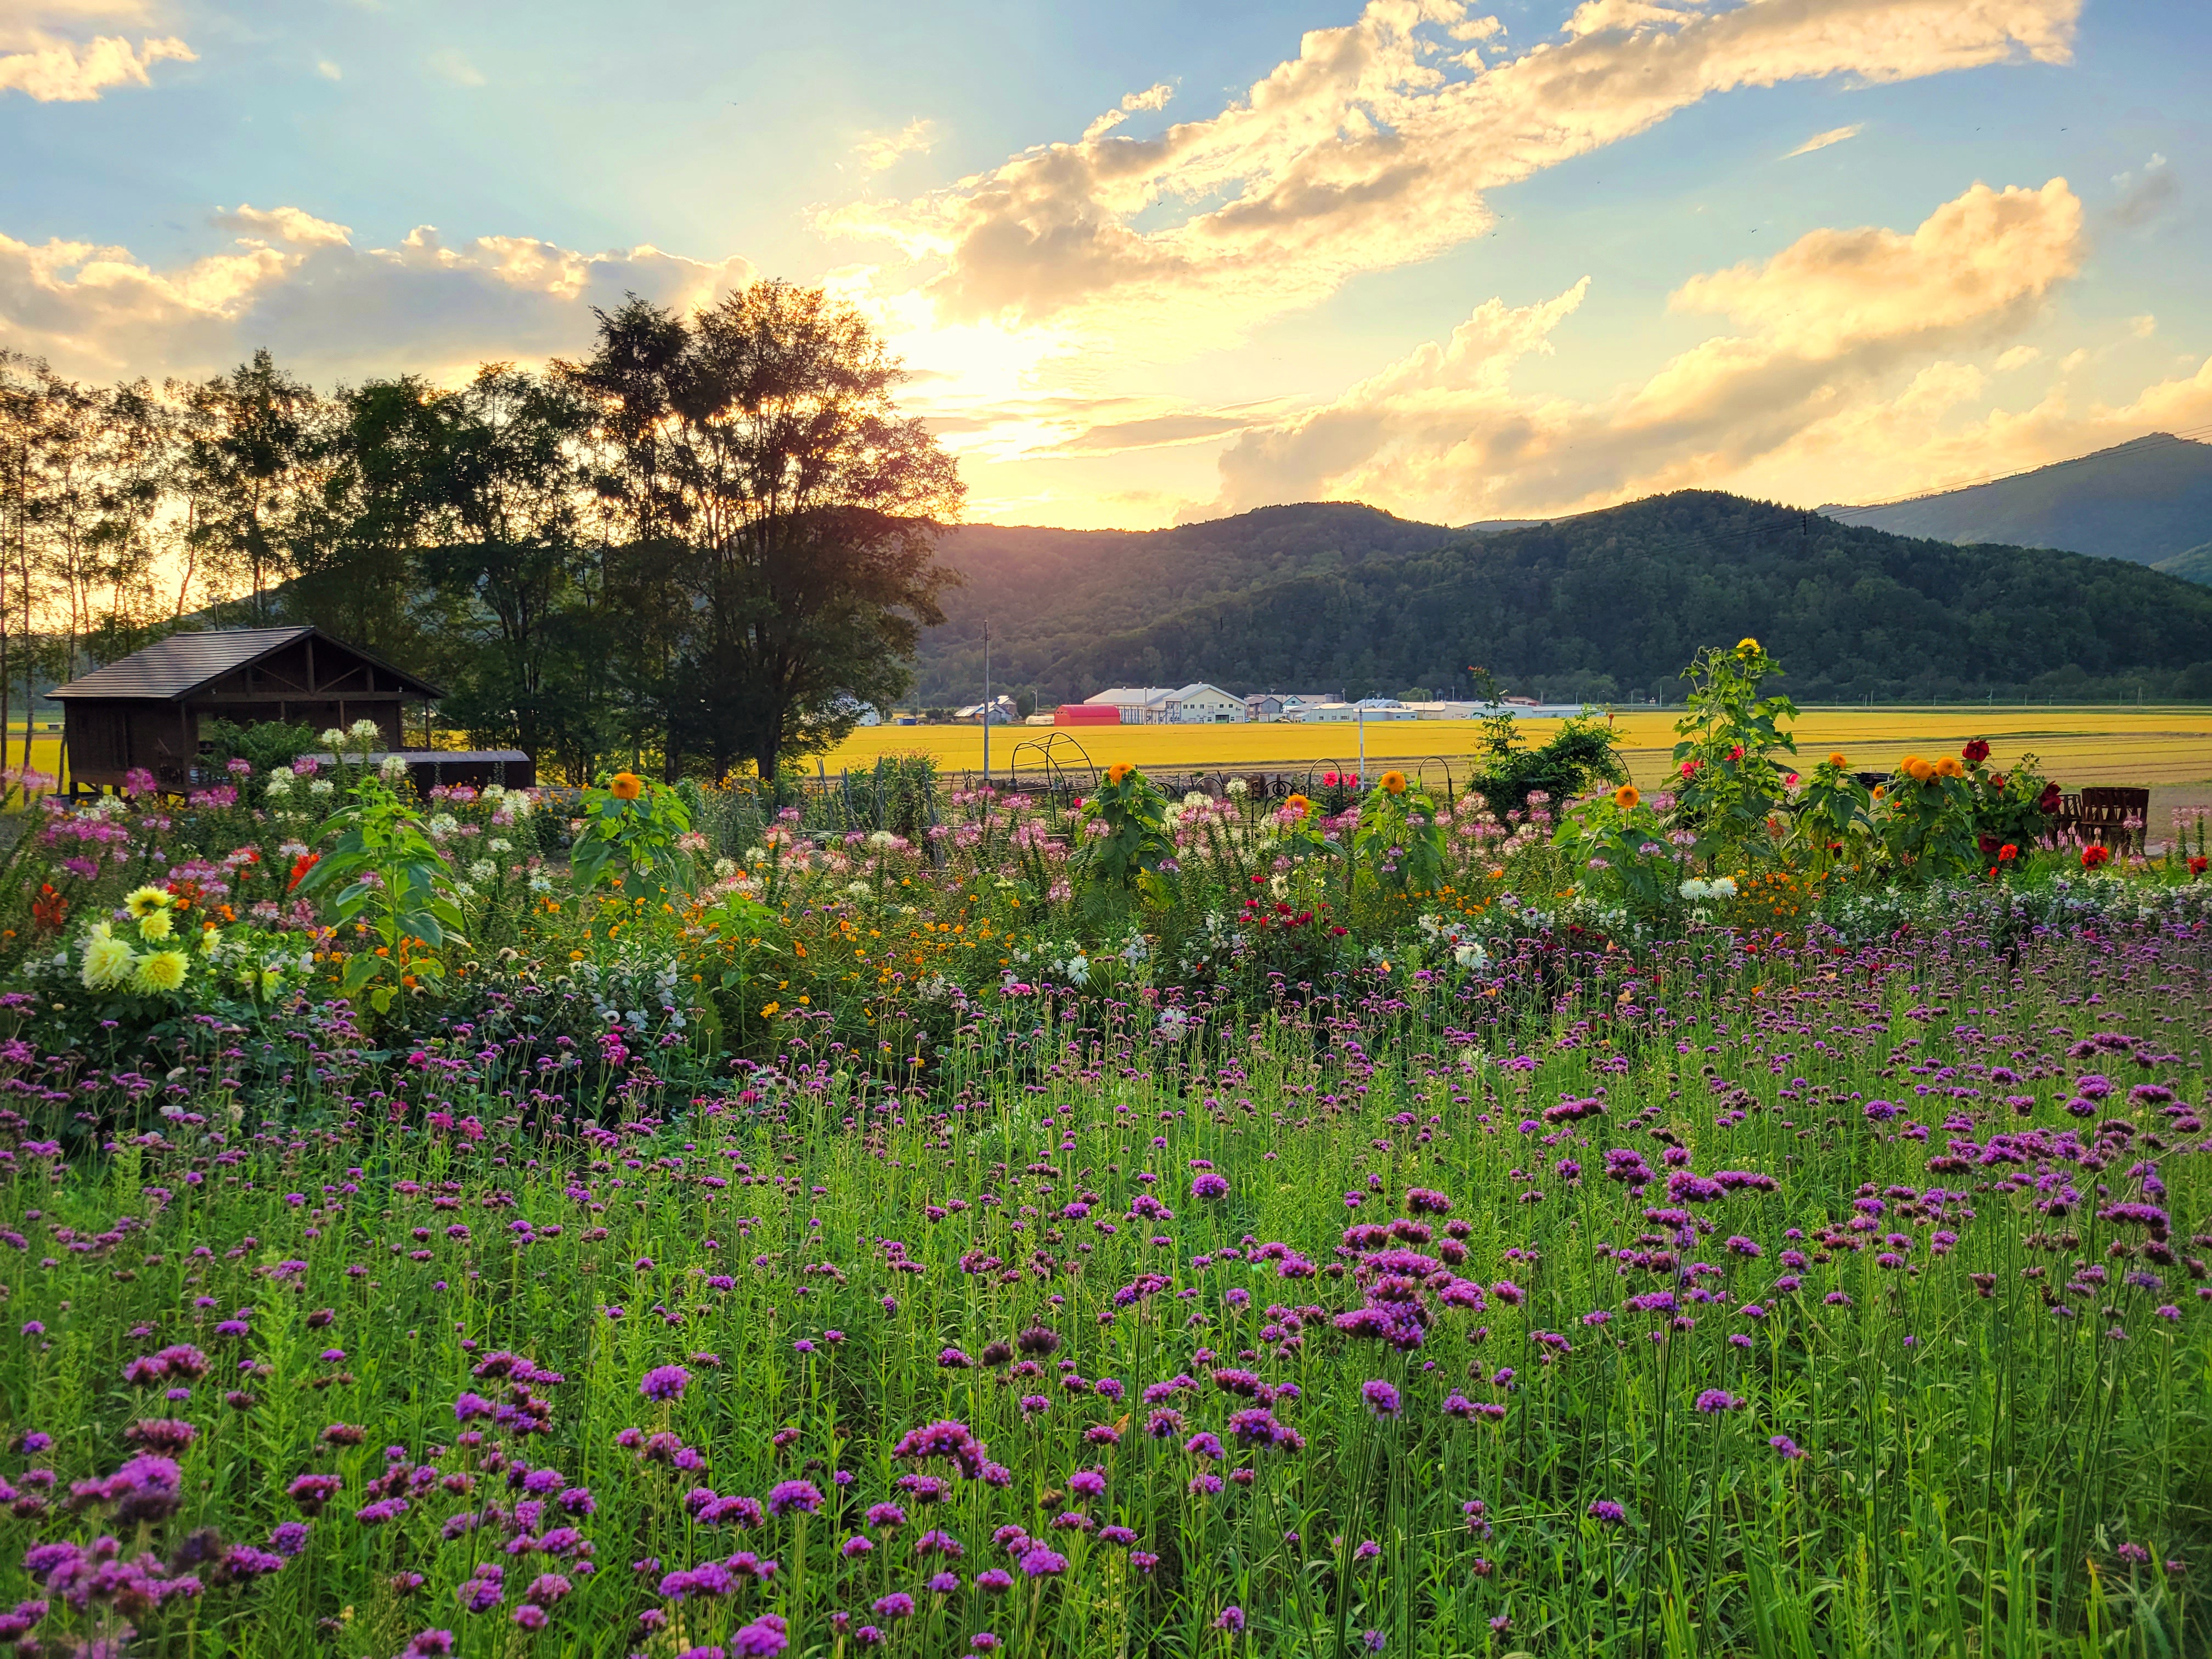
[{"x": 1195, "y": 704}]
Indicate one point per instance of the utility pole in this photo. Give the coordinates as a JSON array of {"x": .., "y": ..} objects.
[{"x": 986, "y": 703}]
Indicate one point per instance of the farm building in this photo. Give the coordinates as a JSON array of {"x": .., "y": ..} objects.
[
  {"x": 142, "y": 711},
  {"x": 1086, "y": 714},
  {"x": 1195, "y": 704}
]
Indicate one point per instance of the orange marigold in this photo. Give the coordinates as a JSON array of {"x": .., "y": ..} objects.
[{"x": 626, "y": 785}]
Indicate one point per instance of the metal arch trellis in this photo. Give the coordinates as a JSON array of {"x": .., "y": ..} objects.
[{"x": 1055, "y": 762}]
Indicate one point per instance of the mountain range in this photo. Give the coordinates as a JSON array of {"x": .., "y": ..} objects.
[
  {"x": 1604, "y": 606},
  {"x": 2150, "y": 501}
]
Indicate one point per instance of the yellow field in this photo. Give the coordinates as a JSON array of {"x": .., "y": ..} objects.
[{"x": 2111, "y": 745}]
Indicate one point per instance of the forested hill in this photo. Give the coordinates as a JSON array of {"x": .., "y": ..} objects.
[
  {"x": 2148, "y": 500},
  {"x": 1050, "y": 595},
  {"x": 1597, "y": 606}
]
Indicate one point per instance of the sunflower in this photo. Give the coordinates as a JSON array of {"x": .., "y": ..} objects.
[
  {"x": 145, "y": 900},
  {"x": 1951, "y": 767},
  {"x": 160, "y": 971},
  {"x": 1747, "y": 647},
  {"x": 1299, "y": 805},
  {"x": 626, "y": 785},
  {"x": 1119, "y": 770},
  {"x": 1394, "y": 783},
  {"x": 1918, "y": 769},
  {"x": 1627, "y": 797},
  {"x": 1836, "y": 760}
]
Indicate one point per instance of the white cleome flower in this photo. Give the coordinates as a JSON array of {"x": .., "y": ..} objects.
[
  {"x": 482, "y": 870},
  {"x": 366, "y": 730},
  {"x": 319, "y": 787}
]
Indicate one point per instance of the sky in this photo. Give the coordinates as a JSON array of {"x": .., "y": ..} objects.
[{"x": 1151, "y": 263}]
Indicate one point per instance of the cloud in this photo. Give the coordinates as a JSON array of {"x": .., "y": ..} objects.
[
  {"x": 1819, "y": 330},
  {"x": 54, "y": 70},
  {"x": 329, "y": 70},
  {"x": 2142, "y": 327},
  {"x": 328, "y": 308},
  {"x": 1822, "y": 140},
  {"x": 880, "y": 150},
  {"x": 2019, "y": 356},
  {"x": 450, "y": 65},
  {"x": 1371, "y": 149},
  {"x": 2143, "y": 199},
  {"x": 1154, "y": 97}
]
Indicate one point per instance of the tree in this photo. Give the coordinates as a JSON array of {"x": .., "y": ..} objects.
[
  {"x": 248, "y": 441},
  {"x": 786, "y": 510}
]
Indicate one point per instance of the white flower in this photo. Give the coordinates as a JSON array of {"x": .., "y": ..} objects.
[
  {"x": 482, "y": 870},
  {"x": 393, "y": 767},
  {"x": 1238, "y": 789},
  {"x": 1471, "y": 956},
  {"x": 1079, "y": 969},
  {"x": 333, "y": 738},
  {"x": 1194, "y": 799},
  {"x": 1723, "y": 887},
  {"x": 319, "y": 787},
  {"x": 859, "y": 890},
  {"x": 541, "y": 883},
  {"x": 1694, "y": 890},
  {"x": 519, "y": 803},
  {"x": 278, "y": 782},
  {"x": 756, "y": 856},
  {"x": 724, "y": 868},
  {"x": 366, "y": 730},
  {"x": 882, "y": 839},
  {"x": 464, "y": 889},
  {"x": 1174, "y": 1022},
  {"x": 499, "y": 844},
  {"x": 442, "y": 824}
]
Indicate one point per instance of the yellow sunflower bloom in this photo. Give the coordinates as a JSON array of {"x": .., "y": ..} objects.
[
  {"x": 626, "y": 785},
  {"x": 1627, "y": 797},
  {"x": 1951, "y": 767},
  {"x": 160, "y": 971},
  {"x": 143, "y": 901},
  {"x": 1119, "y": 770},
  {"x": 1747, "y": 647},
  {"x": 1394, "y": 783},
  {"x": 1299, "y": 805},
  {"x": 1836, "y": 760}
]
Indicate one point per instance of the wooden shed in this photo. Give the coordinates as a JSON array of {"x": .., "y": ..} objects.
[{"x": 143, "y": 711}]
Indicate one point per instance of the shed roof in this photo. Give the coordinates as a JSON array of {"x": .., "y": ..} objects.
[{"x": 171, "y": 669}]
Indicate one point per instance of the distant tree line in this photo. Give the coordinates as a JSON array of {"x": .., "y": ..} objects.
[{"x": 708, "y": 541}]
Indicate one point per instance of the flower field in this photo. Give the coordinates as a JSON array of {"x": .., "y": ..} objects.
[{"x": 1763, "y": 1217}]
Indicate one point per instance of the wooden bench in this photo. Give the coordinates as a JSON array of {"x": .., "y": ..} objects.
[{"x": 2105, "y": 817}]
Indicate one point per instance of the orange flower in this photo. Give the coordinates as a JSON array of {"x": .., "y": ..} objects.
[
  {"x": 1836, "y": 760},
  {"x": 1394, "y": 783},
  {"x": 626, "y": 785},
  {"x": 1951, "y": 767},
  {"x": 1299, "y": 805},
  {"x": 1119, "y": 770},
  {"x": 1918, "y": 769},
  {"x": 1627, "y": 797}
]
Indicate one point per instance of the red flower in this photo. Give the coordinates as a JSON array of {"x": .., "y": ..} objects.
[
  {"x": 301, "y": 866},
  {"x": 2048, "y": 801},
  {"x": 1996, "y": 781},
  {"x": 2007, "y": 853},
  {"x": 2197, "y": 866},
  {"x": 1736, "y": 753},
  {"x": 49, "y": 910},
  {"x": 1975, "y": 752},
  {"x": 2093, "y": 857}
]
